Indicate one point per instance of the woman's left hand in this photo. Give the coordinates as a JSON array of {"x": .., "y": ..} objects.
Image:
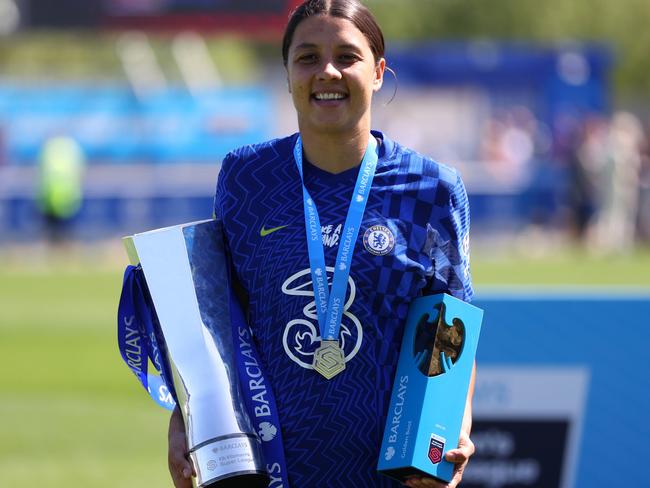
[{"x": 459, "y": 456}]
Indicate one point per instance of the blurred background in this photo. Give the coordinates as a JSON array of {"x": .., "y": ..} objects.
[{"x": 115, "y": 115}]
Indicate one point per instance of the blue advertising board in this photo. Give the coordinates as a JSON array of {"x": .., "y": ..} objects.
[
  {"x": 113, "y": 126},
  {"x": 562, "y": 389}
]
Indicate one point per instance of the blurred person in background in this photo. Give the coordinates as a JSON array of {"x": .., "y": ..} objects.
[
  {"x": 508, "y": 144},
  {"x": 606, "y": 191},
  {"x": 60, "y": 192},
  {"x": 644, "y": 191},
  {"x": 590, "y": 166},
  {"x": 412, "y": 240},
  {"x": 618, "y": 225},
  {"x": 610, "y": 159}
]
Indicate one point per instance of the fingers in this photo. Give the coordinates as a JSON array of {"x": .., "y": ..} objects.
[
  {"x": 464, "y": 451},
  {"x": 459, "y": 456},
  {"x": 458, "y": 475},
  {"x": 180, "y": 468}
]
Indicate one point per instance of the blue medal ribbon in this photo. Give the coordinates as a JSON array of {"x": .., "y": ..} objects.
[{"x": 329, "y": 305}]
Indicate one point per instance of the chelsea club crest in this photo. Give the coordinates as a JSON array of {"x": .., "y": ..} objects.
[{"x": 379, "y": 240}]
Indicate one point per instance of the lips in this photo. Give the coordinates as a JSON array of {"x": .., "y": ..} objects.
[{"x": 329, "y": 96}]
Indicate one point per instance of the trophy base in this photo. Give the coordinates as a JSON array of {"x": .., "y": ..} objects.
[{"x": 229, "y": 461}]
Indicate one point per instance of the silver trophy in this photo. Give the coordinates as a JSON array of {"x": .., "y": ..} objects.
[{"x": 187, "y": 276}]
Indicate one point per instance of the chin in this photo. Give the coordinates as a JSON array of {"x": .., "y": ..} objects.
[
  {"x": 330, "y": 128},
  {"x": 333, "y": 125}
]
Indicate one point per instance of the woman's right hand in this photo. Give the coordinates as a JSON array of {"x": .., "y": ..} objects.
[{"x": 179, "y": 465}]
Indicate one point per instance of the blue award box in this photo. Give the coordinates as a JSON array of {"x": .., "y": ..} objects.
[{"x": 430, "y": 388}]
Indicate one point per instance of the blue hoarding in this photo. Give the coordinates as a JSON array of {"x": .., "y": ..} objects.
[{"x": 562, "y": 389}]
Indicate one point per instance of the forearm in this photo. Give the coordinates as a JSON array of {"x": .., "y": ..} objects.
[
  {"x": 176, "y": 424},
  {"x": 467, "y": 417}
]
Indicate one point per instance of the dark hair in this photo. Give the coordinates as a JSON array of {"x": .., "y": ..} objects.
[{"x": 351, "y": 10}]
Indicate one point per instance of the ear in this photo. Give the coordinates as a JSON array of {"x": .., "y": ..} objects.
[{"x": 378, "y": 81}]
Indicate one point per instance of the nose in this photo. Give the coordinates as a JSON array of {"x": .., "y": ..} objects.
[{"x": 328, "y": 71}]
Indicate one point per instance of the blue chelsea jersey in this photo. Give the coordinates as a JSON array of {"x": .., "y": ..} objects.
[{"x": 413, "y": 240}]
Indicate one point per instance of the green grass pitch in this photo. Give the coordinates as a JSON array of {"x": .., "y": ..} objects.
[{"x": 72, "y": 414}]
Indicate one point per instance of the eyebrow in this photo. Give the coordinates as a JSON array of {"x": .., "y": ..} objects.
[
  {"x": 311, "y": 45},
  {"x": 305, "y": 45}
]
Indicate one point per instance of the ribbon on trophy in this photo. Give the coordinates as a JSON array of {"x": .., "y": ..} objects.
[
  {"x": 256, "y": 387},
  {"x": 137, "y": 340},
  {"x": 140, "y": 342}
]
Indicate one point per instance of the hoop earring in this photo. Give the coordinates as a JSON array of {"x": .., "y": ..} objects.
[{"x": 390, "y": 70}]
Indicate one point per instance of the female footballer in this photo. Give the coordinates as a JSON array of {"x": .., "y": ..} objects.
[{"x": 332, "y": 232}]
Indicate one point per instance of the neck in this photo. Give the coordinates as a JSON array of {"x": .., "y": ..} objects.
[{"x": 335, "y": 152}]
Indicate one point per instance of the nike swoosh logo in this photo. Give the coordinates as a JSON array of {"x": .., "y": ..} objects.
[{"x": 265, "y": 232}]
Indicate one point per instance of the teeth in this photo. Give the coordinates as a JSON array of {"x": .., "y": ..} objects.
[{"x": 329, "y": 96}]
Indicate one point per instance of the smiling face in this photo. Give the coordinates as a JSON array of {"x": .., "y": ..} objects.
[{"x": 332, "y": 75}]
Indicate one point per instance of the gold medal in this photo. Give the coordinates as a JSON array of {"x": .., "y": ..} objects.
[{"x": 329, "y": 359}]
